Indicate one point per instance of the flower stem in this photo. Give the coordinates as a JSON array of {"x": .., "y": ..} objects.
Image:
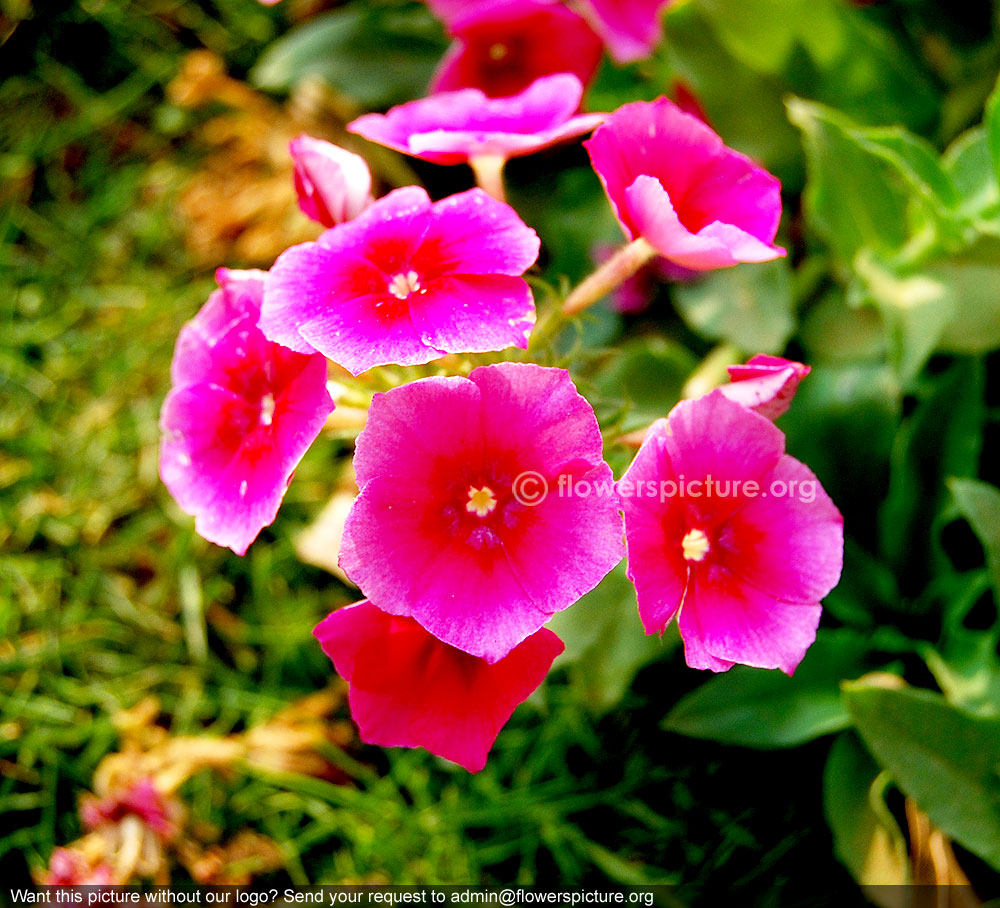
[
  {"x": 488, "y": 171},
  {"x": 619, "y": 268}
]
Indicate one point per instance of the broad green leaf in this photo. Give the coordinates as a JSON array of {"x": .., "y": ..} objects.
[
  {"x": 979, "y": 503},
  {"x": 765, "y": 709},
  {"x": 866, "y": 837},
  {"x": 854, "y": 198},
  {"x": 970, "y": 168},
  {"x": 971, "y": 282},
  {"x": 605, "y": 643},
  {"x": 945, "y": 759},
  {"x": 991, "y": 120},
  {"x": 376, "y": 56},
  {"x": 750, "y": 306}
]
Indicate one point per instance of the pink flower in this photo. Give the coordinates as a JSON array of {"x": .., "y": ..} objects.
[
  {"x": 140, "y": 799},
  {"x": 408, "y": 689},
  {"x": 455, "y": 127},
  {"x": 766, "y": 384},
  {"x": 502, "y": 47},
  {"x": 240, "y": 415},
  {"x": 69, "y": 867},
  {"x": 406, "y": 282},
  {"x": 453, "y": 525},
  {"x": 729, "y": 534},
  {"x": 672, "y": 182},
  {"x": 630, "y": 28},
  {"x": 333, "y": 184}
]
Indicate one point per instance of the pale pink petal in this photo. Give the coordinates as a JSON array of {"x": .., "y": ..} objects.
[
  {"x": 630, "y": 28},
  {"x": 766, "y": 384},
  {"x": 333, "y": 184}
]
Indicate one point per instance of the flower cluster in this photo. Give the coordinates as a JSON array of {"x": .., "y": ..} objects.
[{"x": 459, "y": 571}]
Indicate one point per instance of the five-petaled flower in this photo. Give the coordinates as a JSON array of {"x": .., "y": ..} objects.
[
  {"x": 408, "y": 689},
  {"x": 439, "y": 533},
  {"x": 240, "y": 415},
  {"x": 745, "y": 548},
  {"x": 406, "y": 282},
  {"x": 674, "y": 184}
]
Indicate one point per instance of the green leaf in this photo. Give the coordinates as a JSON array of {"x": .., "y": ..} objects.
[
  {"x": 750, "y": 306},
  {"x": 765, "y": 709},
  {"x": 605, "y": 643},
  {"x": 969, "y": 166},
  {"x": 991, "y": 120},
  {"x": 866, "y": 837},
  {"x": 945, "y": 759},
  {"x": 979, "y": 503},
  {"x": 854, "y": 197},
  {"x": 376, "y": 56}
]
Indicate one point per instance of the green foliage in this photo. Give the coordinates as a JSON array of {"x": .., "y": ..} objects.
[
  {"x": 754, "y": 707},
  {"x": 940, "y": 756}
]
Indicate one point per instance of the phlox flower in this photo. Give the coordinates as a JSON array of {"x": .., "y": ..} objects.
[
  {"x": 406, "y": 282},
  {"x": 503, "y": 46},
  {"x": 456, "y": 127},
  {"x": 765, "y": 383},
  {"x": 673, "y": 183},
  {"x": 240, "y": 415},
  {"x": 408, "y": 689},
  {"x": 454, "y": 526},
  {"x": 140, "y": 799},
  {"x": 743, "y": 550},
  {"x": 332, "y": 183}
]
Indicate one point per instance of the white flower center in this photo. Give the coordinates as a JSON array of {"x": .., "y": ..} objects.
[
  {"x": 402, "y": 285},
  {"x": 481, "y": 501},
  {"x": 695, "y": 545},
  {"x": 266, "y": 409}
]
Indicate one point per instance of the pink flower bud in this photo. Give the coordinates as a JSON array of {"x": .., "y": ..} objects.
[{"x": 333, "y": 184}]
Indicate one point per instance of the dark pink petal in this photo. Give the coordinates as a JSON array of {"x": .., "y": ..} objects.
[
  {"x": 789, "y": 542},
  {"x": 240, "y": 416},
  {"x": 452, "y": 127},
  {"x": 333, "y": 184},
  {"x": 734, "y": 622},
  {"x": 414, "y": 541},
  {"x": 501, "y": 48},
  {"x": 498, "y": 311},
  {"x": 655, "y": 562},
  {"x": 406, "y": 282},
  {"x": 408, "y": 689},
  {"x": 766, "y": 384},
  {"x": 671, "y": 180},
  {"x": 630, "y": 28},
  {"x": 473, "y": 233}
]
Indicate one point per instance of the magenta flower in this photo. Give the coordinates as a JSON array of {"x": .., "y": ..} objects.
[
  {"x": 729, "y": 534},
  {"x": 766, "y": 384},
  {"x": 333, "y": 184},
  {"x": 674, "y": 184},
  {"x": 406, "y": 282},
  {"x": 457, "y": 127},
  {"x": 502, "y": 47},
  {"x": 630, "y": 28},
  {"x": 408, "y": 689},
  {"x": 240, "y": 415},
  {"x": 462, "y": 522},
  {"x": 140, "y": 799}
]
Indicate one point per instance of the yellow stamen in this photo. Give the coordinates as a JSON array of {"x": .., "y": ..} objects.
[
  {"x": 695, "y": 545},
  {"x": 481, "y": 501}
]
